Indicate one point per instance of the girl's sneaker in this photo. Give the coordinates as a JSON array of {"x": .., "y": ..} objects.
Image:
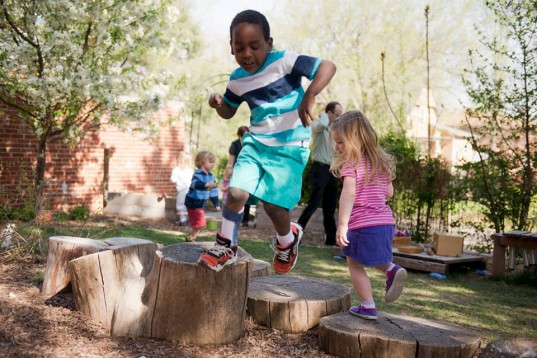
[
  {"x": 395, "y": 283},
  {"x": 362, "y": 312}
]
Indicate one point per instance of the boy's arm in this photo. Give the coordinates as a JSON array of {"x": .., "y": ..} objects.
[
  {"x": 324, "y": 74},
  {"x": 223, "y": 109}
]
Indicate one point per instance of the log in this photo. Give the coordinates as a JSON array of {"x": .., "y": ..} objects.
[
  {"x": 193, "y": 304},
  {"x": 344, "y": 335},
  {"x": 295, "y": 304},
  {"x": 261, "y": 268},
  {"x": 107, "y": 285},
  {"x": 62, "y": 249}
]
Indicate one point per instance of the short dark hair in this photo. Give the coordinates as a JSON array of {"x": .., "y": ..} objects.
[
  {"x": 331, "y": 106},
  {"x": 251, "y": 17},
  {"x": 242, "y": 130}
]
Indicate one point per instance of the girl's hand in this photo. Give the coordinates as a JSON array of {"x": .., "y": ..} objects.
[{"x": 341, "y": 236}]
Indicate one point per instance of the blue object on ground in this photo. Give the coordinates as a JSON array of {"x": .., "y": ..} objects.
[
  {"x": 481, "y": 272},
  {"x": 337, "y": 257},
  {"x": 438, "y": 275}
]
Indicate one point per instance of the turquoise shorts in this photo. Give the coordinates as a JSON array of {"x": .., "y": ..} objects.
[{"x": 270, "y": 174}]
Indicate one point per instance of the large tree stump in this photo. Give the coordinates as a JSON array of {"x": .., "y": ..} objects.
[
  {"x": 295, "y": 304},
  {"x": 62, "y": 249},
  {"x": 103, "y": 284},
  {"x": 344, "y": 335},
  {"x": 193, "y": 304}
]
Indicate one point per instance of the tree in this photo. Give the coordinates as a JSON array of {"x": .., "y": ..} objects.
[
  {"x": 502, "y": 85},
  {"x": 66, "y": 65}
]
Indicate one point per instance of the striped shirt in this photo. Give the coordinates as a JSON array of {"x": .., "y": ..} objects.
[
  {"x": 274, "y": 94},
  {"x": 370, "y": 207}
]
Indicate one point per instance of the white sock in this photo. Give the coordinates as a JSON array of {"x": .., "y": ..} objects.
[
  {"x": 227, "y": 228},
  {"x": 285, "y": 241},
  {"x": 368, "y": 304},
  {"x": 389, "y": 267}
]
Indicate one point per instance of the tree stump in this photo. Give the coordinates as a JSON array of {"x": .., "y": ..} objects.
[
  {"x": 193, "y": 304},
  {"x": 261, "y": 268},
  {"x": 62, "y": 249},
  {"x": 295, "y": 304},
  {"x": 344, "y": 335}
]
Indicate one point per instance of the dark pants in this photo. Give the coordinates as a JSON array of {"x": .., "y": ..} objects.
[{"x": 324, "y": 188}]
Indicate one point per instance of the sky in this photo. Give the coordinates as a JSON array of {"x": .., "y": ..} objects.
[{"x": 214, "y": 17}]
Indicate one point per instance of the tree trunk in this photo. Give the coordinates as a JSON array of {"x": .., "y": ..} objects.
[{"x": 40, "y": 173}]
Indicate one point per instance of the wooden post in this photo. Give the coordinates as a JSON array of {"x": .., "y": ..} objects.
[{"x": 498, "y": 256}]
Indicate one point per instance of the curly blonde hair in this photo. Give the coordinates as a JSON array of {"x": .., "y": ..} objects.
[
  {"x": 359, "y": 139},
  {"x": 201, "y": 156}
]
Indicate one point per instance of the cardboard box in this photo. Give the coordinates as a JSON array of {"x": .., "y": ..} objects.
[
  {"x": 401, "y": 241},
  {"x": 410, "y": 249},
  {"x": 447, "y": 244}
]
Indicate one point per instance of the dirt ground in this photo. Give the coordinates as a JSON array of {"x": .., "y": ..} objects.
[{"x": 33, "y": 327}]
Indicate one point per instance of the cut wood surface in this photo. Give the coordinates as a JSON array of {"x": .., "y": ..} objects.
[
  {"x": 344, "y": 335},
  {"x": 62, "y": 249},
  {"x": 194, "y": 304},
  {"x": 295, "y": 303},
  {"x": 261, "y": 268},
  {"x": 103, "y": 285}
]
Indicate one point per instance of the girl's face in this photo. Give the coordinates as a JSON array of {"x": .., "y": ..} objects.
[
  {"x": 340, "y": 146},
  {"x": 207, "y": 165},
  {"x": 249, "y": 46}
]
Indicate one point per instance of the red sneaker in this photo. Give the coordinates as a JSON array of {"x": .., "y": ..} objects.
[
  {"x": 285, "y": 257},
  {"x": 220, "y": 255}
]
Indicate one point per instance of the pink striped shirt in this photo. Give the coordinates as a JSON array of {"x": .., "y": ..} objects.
[{"x": 370, "y": 207}]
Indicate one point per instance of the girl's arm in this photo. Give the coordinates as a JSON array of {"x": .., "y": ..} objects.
[
  {"x": 346, "y": 202},
  {"x": 389, "y": 191}
]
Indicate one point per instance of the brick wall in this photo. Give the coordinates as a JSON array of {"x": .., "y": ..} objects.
[{"x": 75, "y": 176}]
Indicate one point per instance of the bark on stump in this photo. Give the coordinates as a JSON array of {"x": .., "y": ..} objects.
[
  {"x": 261, "y": 268},
  {"x": 295, "y": 304},
  {"x": 107, "y": 285},
  {"x": 193, "y": 304},
  {"x": 62, "y": 249},
  {"x": 344, "y": 335}
]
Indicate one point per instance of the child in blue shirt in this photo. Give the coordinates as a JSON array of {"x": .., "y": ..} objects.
[
  {"x": 275, "y": 151},
  {"x": 202, "y": 187}
]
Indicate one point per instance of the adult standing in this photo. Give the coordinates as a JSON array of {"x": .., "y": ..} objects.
[
  {"x": 234, "y": 150},
  {"x": 324, "y": 184}
]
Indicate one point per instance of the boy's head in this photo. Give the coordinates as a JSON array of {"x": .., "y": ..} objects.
[
  {"x": 204, "y": 158},
  {"x": 250, "y": 39}
]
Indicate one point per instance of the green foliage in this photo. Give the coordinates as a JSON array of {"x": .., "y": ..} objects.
[
  {"x": 80, "y": 212},
  {"x": 24, "y": 212},
  {"x": 502, "y": 85}
]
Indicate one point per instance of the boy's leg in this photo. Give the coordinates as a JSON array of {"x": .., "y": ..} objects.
[
  {"x": 287, "y": 240},
  {"x": 223, "y": 252}
]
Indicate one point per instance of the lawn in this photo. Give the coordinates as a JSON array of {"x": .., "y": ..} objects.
[{"x": 498, "y": 309}]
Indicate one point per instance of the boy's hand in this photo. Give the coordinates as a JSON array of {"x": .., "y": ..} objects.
[
  {"x": 215, "y": 100},
  {"x": 306, "y": 108}
]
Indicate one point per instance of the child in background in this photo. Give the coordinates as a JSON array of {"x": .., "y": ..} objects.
[
  {"x": 275, "y": 152},
  {"x": 365, "y": 221},
  {"x": 181, "y": 176},
  {"x": 202, "y": 188}
]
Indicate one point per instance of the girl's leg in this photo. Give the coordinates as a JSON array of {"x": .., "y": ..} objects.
[
  {"x": 193, "y": 234},
  {"x": 360, "y": 280}
]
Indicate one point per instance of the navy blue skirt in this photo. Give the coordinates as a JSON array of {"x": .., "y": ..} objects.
[{"x": 370, "y": 245}]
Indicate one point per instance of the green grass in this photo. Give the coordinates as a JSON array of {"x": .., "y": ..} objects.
[{"x": 497, "y": 308}]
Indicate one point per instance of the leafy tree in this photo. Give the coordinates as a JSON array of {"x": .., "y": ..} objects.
[
  {"x": 65, "y": 65},
  {"x": 502, "y": 85}
]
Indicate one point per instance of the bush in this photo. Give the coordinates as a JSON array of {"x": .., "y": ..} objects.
[{"x": 80, "y": 212}]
